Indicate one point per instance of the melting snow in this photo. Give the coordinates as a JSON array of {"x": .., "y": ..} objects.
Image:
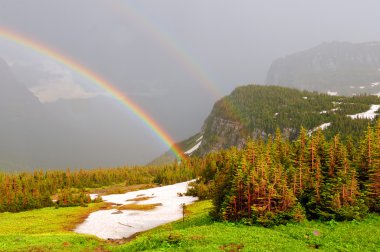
[
  {"x": 199, "y": 139},
  {"x": 93, "y": 196},
  {"x": 374, "y": 84},
  {"x": 370, "y": 114},
  {"x": 323, "y": 112},
  {"x": 275, "y": 114},
  {"x": 322, "y": 126},
  {"x": 332, "y": 93},
  {"x": 195, "y": 147},
  {"x": 305, "y": 97},
  {"x": 107, "y": 224}
]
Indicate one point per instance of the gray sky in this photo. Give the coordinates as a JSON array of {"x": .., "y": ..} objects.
[{"x": 161, "y": 53}]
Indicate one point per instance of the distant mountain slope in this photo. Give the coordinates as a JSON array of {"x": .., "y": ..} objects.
[
  {"x": 342, "y": 67},
  {"x": 188, "y": 146},
  {"x": 77, "y": 133},
  {"x": 257, "y": 111}
]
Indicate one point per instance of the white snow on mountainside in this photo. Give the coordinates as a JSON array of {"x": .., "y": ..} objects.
[
  {"x": 369, "y": 114},
  {"x": 322, "y": 126},
  {"x": 194, "y": 148}
]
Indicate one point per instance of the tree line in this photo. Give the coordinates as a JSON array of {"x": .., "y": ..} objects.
[
  {"x": 274, "y": 181},
  {"x": 25, "y": 191}
]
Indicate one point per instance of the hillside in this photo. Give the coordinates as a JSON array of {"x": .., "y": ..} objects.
[
  {"x": 254, "y": 111},
  {"x": 346, "y": 68}
]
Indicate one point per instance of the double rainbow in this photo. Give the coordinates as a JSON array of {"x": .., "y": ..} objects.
[{"x": 96, "y": 79}]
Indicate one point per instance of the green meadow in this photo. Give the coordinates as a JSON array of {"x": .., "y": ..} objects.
[
  {"x": 49, "y": 229},
  {"x": 200, "y": 233}
]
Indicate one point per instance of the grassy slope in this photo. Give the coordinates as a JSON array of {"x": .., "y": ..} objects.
[
  {"x": 49, "y": 230},
  {"x": 199, "y": 233},
  {"x": 46, "y": 229}
]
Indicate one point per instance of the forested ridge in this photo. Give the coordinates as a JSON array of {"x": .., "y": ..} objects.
[
  {"x": 274, "y": 181},
  {"x": 256, "y": 111}
]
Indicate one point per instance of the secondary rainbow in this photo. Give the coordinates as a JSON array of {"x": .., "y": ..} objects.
[
  {"x": 127, "y": 11},
  {"x": 94, "y": 78}
]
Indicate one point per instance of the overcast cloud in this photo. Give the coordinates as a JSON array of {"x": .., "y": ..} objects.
[{"x": 161, "y": 53}]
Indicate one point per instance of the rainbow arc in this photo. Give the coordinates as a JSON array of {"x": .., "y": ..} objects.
[{"x": 96, "y": 79}]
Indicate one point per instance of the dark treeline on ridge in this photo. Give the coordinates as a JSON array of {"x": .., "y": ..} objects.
[
  {"x": 255, "y": 111},
  {"x": 274, "y": 181}
]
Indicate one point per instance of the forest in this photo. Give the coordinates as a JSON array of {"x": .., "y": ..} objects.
[{"x": 275, "y": 181}]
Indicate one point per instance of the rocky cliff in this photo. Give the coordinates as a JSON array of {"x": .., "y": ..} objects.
[{"x": 342, "y": 67}]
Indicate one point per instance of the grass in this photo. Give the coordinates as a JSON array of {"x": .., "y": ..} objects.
[
  {"x": 49, "y": 229},
  {"x": 119, "y": 189},
  {"x": 139, "y": 207},
  {"x": 140, "y": 198},
  {"x": 200, "y": 233}
]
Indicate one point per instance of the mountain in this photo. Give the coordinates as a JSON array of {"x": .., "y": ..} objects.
[
  {"x": 255, "y": 111},
  {"x": 342, "y": 67}
]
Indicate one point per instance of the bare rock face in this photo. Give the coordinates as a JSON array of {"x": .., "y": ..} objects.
[
  {"x": 222, "y": 133},
  {"x": 342, "y": 67}
]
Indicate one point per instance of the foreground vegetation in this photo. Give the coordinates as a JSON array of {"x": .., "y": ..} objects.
[
  {"x": 47, "y": 229},
  {"x": 25, "y": 191},
  {"x": 200, "y": 233},
  {"x": 276, "y": 181}
]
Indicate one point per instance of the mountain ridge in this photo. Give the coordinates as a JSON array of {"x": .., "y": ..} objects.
[
  {"x": 343, "y": 67},
  {"x": 255, "y": 111}
]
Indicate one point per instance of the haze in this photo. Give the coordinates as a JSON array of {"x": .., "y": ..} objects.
[{"x": 173, "y": 58}]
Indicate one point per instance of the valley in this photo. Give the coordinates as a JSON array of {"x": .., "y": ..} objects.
[{"x": 226, "y": 126}]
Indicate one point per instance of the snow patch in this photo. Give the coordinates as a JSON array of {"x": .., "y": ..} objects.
[
  {"x": 305, "y": 97},
  {"x": 323, "y": 112},
  {"x": 362, "y": 87},
  {"x": 335, "y": 109},
  {"x": 332, "y": 93},
  {"x": 275, "y": 114},
  {"x": 93, "y": 196},
  {"x": 106, "y": 224},
  {"x": 195, "y": 147},
  {"x": 322, "y": 127},
  {"x": 369, "y": 114},
  {"x": 374, "y": 84},
  {"x": 199, "y": 139}
]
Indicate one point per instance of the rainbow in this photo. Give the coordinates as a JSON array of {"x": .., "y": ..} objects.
[
  {"x": 127, "y": 11},
  {"x": 98, "y": 80}
]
